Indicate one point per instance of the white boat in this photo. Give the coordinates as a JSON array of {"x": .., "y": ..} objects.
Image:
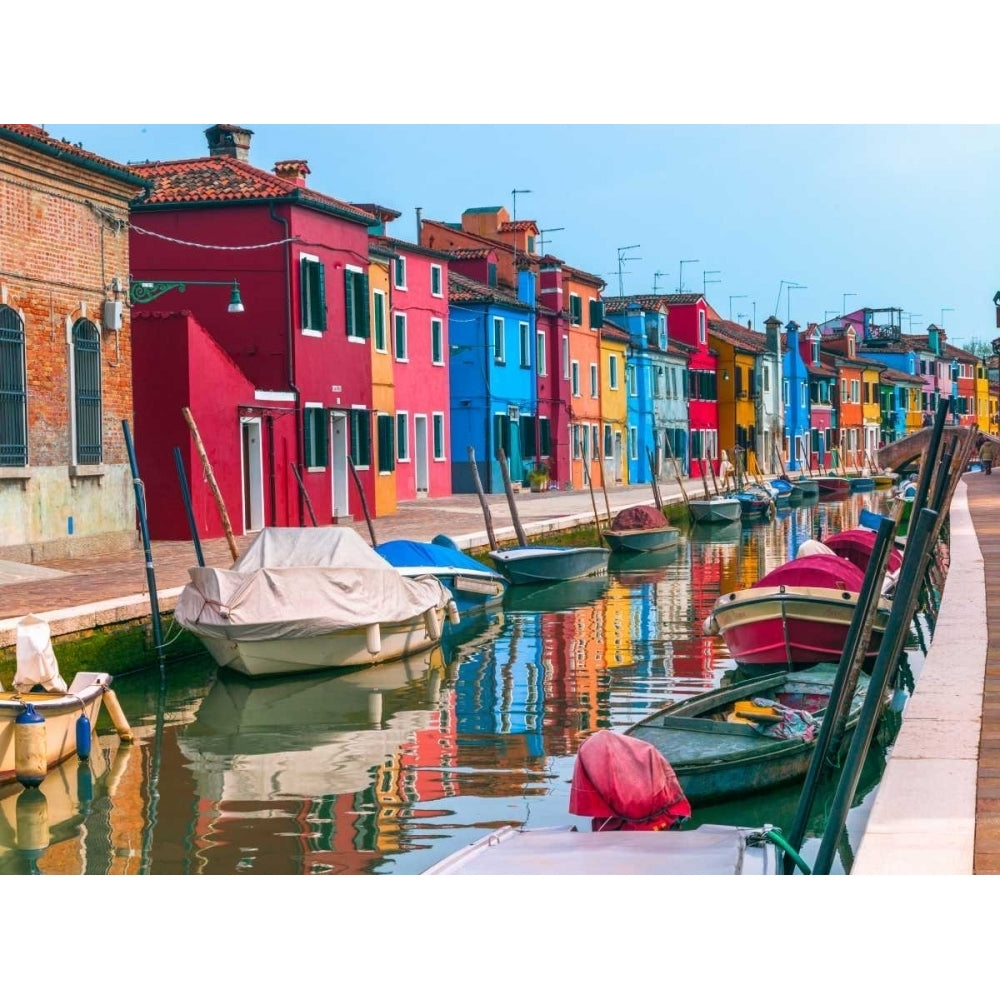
[
  {"x": 715, "y": 510},
  {"x": 305, "y": 599},
  {"x": 47, "y": 733}
]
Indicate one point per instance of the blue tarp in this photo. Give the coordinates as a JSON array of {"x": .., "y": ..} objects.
[{"x": 403, "y": 552}]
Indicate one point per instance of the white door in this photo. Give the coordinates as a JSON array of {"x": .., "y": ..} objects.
[
  {"x": 253, "y": 476},
  {"x": 420, "y": 451},
  {"x": 338, "y": 463},
  {"x": 618, "y": 456}
]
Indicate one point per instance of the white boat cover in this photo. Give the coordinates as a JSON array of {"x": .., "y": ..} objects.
[
  {"x": 36, "y": 659},
  {"x": 293, "y": 583}
]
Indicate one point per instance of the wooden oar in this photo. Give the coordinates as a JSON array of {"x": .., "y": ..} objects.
[
  {"x": 715, "y": 482},
  {"x": 607, "y": 505},
  {"x": 487, "y": 516},
  {"x": 657, "y": 499},
  {"x": 304, "y": 492},
  {"x": 593, "y": 503},
  {"x": 704, "y": 478},
  {"x": 677, "y": 472},
  {"x": 364, "y": 500},
  {"x": 212, "y": 484}
]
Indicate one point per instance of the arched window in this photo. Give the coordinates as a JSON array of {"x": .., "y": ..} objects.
[
  {"x": 13, "y": 417},
  {"x": 87, "y": 391}
]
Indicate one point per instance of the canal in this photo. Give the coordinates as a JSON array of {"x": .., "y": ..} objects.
[{"x": 387, "y": 770}]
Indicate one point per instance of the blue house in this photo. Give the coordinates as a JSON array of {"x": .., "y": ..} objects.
[
  {"x": 493, "y": 381},
  {"x": 795, "y": 391}
]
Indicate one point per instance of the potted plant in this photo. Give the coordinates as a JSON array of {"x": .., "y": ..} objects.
[{"x": 538, "y": 478}]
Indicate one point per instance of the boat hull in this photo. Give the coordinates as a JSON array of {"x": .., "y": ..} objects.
[
  {"x": 720, "y": 511},
  {"x": 60, "y": 712},
  {"x": 716, "y": 760},
  {"x": 790, "y": 627},
  {"x": 540, "y": 564},
  {"x": 642, "y": 539},
  {"x": 343, "y": 648},
  {"x": 833, "y": 484}
]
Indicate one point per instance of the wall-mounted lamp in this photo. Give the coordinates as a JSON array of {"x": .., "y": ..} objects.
[
  {"x": 146, "y": 291},
  {"x": 725, "y": 376}
]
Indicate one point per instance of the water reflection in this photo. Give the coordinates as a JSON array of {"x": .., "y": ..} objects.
[{"x": 389, "y": 769}]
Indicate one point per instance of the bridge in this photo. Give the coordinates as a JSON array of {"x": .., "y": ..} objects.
[{"x": 907, "y": 451}]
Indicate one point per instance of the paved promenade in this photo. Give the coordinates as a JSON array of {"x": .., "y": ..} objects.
[{"x": 937, "y": 809}]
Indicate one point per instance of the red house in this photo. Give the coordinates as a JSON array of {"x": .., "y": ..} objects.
[
  {"x": 687, "y": 322},
  {"x": 216, "y": 225}
]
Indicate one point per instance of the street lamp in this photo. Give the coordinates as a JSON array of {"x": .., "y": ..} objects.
[{"x": 141, "y": 292}]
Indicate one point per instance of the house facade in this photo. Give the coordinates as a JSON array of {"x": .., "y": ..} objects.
[
  {"x": 739, "y": 352},
  {"x": 300, "y": 260},
  {"x": 614, "y": 404},
  {"x": 65, "y": 350}
]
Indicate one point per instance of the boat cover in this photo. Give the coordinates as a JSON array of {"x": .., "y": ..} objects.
[
  {"x": 831, "y": 572},
  {"x": 625, "y": 784},
  {"x": 36, "y": 659},
  {"x": 403, "y": 552},
  {"x": 639, "y": 517},
  {"x": 299, "y": 582},
  {"x": 857, "y": 544}
]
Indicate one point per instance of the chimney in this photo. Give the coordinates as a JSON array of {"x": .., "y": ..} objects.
[
  {"x": 771, "y": 327},
  {"x": 292, "y": 170},
  {"x": 229, "y": 140},
  {"x": 418, "y": 211}
]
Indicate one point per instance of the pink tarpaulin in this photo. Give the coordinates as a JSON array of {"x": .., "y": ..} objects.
[
  {"x": 856, "y": 544},
  {"x": 831, "y": 572}
]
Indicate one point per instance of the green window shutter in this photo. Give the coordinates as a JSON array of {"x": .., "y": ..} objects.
[
  {"x": 351, "y": 319},
  {"x": 380, "y": 322},
  {"x": 596, "y": 314},
  {"x": 363, "y": 296},
  {"x": 527, "y": 436},
  {"x": 316, "y": 444},
  {"x": 321, "y": 296},
  {"x": 361, "y": 437},
  {"x": 304, "y": 292},
  {"x": 386, "y": 443},
  {"x": 544, "y": 438}
]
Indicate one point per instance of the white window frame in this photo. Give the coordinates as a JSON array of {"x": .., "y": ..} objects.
[
  {"x": 438, "y": 415},
  {"x": 501, "y": 357},
  {"x": 855, "y": 391},
  {"x": 406, "y": 338},
  {"x": 439, "y": 361},
  {"x": 403, "y": 440},
  {"x": 701, "y": 327},
  {"x": 579, "y": 298},
  {"x": 399, "y": 262},
  {"x": 353, "y": 339},
  {"x": 633, "y": 444},
  {"x": 613, "y": 371},
  {"x": 540, "y": 351},
  {"x": 595, "y": 382},
  {"x": 439, "y": 271},
  {"x": 541, "y": 436},
  {"x": 574, "y": 368},
  {"x": 565, "y": 357},
  {"x": 575, "y": 429},
  {"x": 524, "y": 343},
  {"x": 317, "y": 406},
  {"x": 308, "y": 331}
]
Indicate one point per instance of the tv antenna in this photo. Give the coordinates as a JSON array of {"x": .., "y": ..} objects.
[{"x": 621, "y": 260}]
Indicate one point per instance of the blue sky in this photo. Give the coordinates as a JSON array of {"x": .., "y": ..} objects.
[{"x": 866, "y": 215}]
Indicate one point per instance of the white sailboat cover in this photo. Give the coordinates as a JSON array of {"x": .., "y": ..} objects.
[
  {"x": 36, "y": 659},
  {"x": 298, "y": 582}
]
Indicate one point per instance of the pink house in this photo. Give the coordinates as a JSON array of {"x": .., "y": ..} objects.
[
  {"x": 300, "y": 260},
  {"x": 687, "y": 323}
]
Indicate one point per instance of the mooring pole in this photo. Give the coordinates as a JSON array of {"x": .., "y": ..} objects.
[
  {"x": 140, "y": 506},
  {"x": 186, "y": 494}
]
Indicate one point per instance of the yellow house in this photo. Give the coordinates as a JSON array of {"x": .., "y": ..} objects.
[
  {"x": 984, "y": 417},
  {"x": 871, "y": 409},
  {"x": 614, "y": 404},
  {"x": 738, "y": 350},
  {"x": 383, "y": 393}
]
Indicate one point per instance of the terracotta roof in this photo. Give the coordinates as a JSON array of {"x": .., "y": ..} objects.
[
  {"x": 463, "y": 289},
  {"x": 379, "y": 211},
  {"x": 683, "y": 298},
  {"x": 471, "y": 253},
  {"x": 391, "y": 244},
  {"x": 612, "y": 331},
  {"x": 226, "y": 179},
  {"x": 621, "y": 303},
  {"x": 517, "y": 227},
  {"x": 889, "y": 347},
  {"x": 951, "y": 351},
  {"x": 36, "y": 136},
  {"x": 738, "y": 335},
  {"x": 895, "y": 375}
]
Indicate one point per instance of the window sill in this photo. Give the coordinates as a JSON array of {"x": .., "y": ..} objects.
[
  {"x": 16, "y": 474},
  {"x": 312, "y": 333},
  {"x": 402, "y": 361},
  {"x": 87, "y": 471},
  {"x": 357, "y": 340},
  {"x": 438, "y": 364}
]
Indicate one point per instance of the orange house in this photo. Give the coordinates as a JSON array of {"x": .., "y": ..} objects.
[{"x": 841, "y": 353}]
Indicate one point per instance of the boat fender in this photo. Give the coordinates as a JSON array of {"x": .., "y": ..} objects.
[
  {"x": 30, "y": 759},
  {"x": 375, "y": 708},
  {"x": 453, "y": 615},
  {"x": 32, "y": 817},
  {"x": 84, "y": 787},
  {"x": 83, "y": 736},
  {"x": 121, "y": 725},
  {"x": 432, "y": 624},
  {"x": 373, "y": 639},
  {"x": 710, "y": 626}
]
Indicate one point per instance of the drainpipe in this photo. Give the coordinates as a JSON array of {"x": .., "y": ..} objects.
[
  {"x": 271, "y": 470},
  {"x": 291, "y": 352}
]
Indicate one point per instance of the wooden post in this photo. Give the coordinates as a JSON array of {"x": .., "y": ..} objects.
[
  {"x": 487, "y": 517},
  {"x": 305, "y": 495},
  {"x": 677, "y": 471},
  {"x": 715, "y": 482},
  {"x": 607, "y": 505},
  {"x": 657, "y": 499},
  {"x": 704, "y": 479},
  {"x": 364, "y": 501},
  {"x": 212, "y": 484},
  {"x": 509, "y": 490},
  {"x": 593, "y": 503}
]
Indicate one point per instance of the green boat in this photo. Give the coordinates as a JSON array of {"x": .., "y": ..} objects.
[{"x": 718, "y": 742}]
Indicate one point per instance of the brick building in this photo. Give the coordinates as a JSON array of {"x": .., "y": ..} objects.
[{"x": 65, "y": 349}]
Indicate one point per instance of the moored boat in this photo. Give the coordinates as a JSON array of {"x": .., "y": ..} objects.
[
  {"x": 795, "y": 616},
  {"x": 303, "y": 599},
  {"x": 531, "y": 564},
  {"x": 832, "y": 484},
  {"x": 715, "y": 510},
  {"x": 641, "y": 529},
  {"x": 746, "y": 737}
]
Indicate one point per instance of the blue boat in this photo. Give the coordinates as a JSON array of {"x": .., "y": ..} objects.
[{"x": 474, "y": 586}]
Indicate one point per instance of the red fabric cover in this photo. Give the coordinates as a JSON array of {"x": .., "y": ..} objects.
[
  {"x": 856, "y": 544},
  {"x": 638, "y": 517},
  {"x": 626, "y": 784},
  {"x": 833, "y": 572}
]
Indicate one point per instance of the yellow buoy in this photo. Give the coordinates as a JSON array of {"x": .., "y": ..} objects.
[{"x": 117, "y": 716}]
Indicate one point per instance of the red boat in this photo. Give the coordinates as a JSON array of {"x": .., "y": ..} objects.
[
  {"x": 795, "y": 616},
  {"x": 833, "y": 484},
  {"x": 856, "y": 544}
]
